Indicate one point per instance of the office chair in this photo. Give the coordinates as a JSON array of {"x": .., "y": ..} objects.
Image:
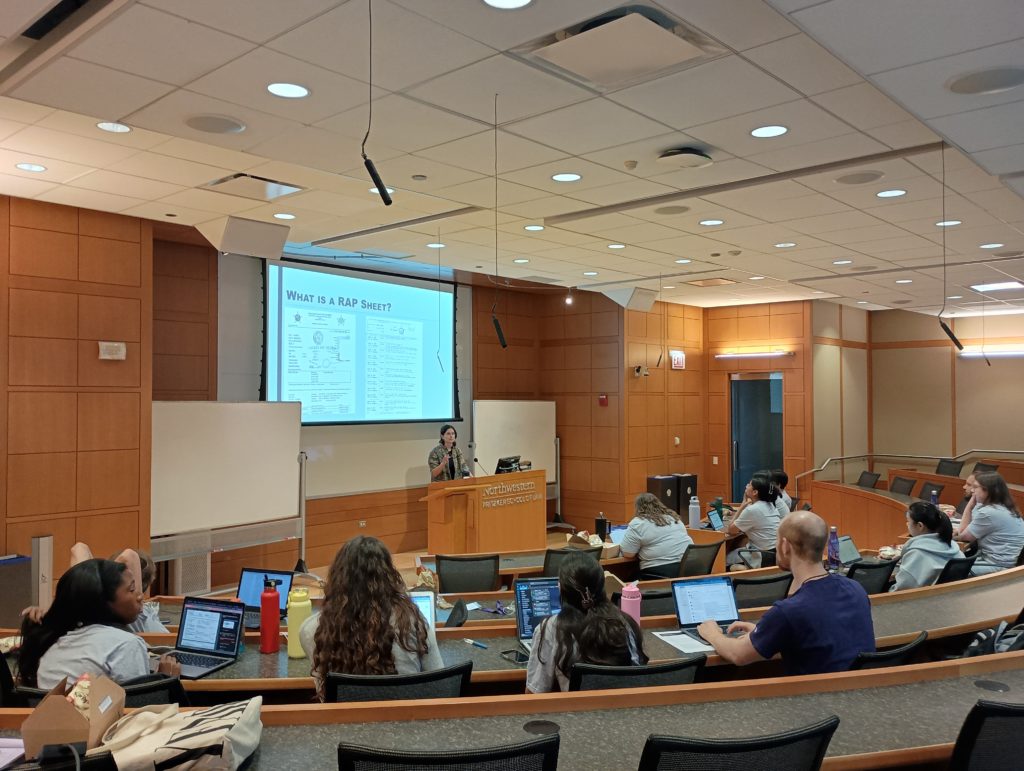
[
  {"x": 553, "y": 558},
  {"x": 801, "y": 749},
  {"x": 761, "y": 592},
  {"x": 1020, "y": 558},
  {"x": 699, "y": 559},
  {"x": 927, "y": 488},
  {"x": 447, "y": 683},
  {"x": 956, "y": 569},
  {"x": 653, "y": 602},
  {"x": 950, "y": 468},
  {"x": 902, "y": 486},
  {"x": 891, "y": 657},
  {"x": 980, "y": 467},
  {"x": 595, "y": 677},
  {"x": 868, "y": 479},
  {"x": 458, "y": 575},
  {"x": 991, "y": 738},
  {"x": 757, "y": 558},
  {"x": 873, "y": 576},
  {"x": 539, "y": 754}
]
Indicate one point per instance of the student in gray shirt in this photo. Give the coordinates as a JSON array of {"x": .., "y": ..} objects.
[
  {"x": 656, "y": 535},
  {"x": 992, "y": 520}
]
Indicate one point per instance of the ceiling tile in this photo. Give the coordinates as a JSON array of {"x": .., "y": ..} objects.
[
  {"x": 85, "y": 126},
  {"x": 397, "y": 172},
  {"x": 24, "y": 187},
  {"x": 740, "y": 24},
  {"x": 645, "y": 154},
  {"x": 906, "y": 134},
  {"x": 803, "y": 64},
  {"x": 156, "y": 210},
  {"x": 203, "y": 153},
  {"x": 587, "y": 126},
  {"x": 730, "y": 170},
  {"x": 167, "y": 169},
  {"x": 67, "y": 147},
  {"x": 819, "y": 153},
  {"x": 330, "y": 203},
  {"x": 323, "y": 150},
  {"x": 208, "y": 200},
  {"x": 56, "y": 170},
  {"x": 9, "y": 127},
  {"x": 20, "y": 14},
  {"x": 480, "y": 192},
  {"x": 477, "y": 153},
  {"x": 21, "y": 111},
  {"x": 1002, "y": 160},
  {"x": 863, "y": 106},
  {"x": 825, "y": 223},
  {"x": 592, "y": 176},
  {"x": 985, "y": 128},
  {"x": 548, "y": 206},
  {"x": 255, "y": 20},
  {"x": 124, "y": 184},
  {"x": 623, "y": 191},
  {"x": 88, "y": 199}
]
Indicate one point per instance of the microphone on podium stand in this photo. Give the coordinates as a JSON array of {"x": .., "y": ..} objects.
[{"x": 482, "y": 469}]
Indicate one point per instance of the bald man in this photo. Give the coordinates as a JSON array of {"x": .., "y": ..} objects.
[{"x": 820, "y": 627}]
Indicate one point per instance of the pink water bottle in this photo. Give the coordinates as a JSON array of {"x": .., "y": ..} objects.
[{"x": 630, "y": 602}]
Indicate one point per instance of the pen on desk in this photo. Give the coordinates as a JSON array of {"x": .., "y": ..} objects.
[{"x": 474, "y": 643}]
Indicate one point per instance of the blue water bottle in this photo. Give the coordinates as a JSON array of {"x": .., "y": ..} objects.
[
  {"x": 935, "y": 497},
  {"x": 833, "y": 550}
]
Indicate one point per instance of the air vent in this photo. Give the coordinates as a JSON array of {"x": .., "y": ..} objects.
[
  {"x": 248, "y": 186},
  {"x": 860, "y": 177},
  {"x": 705, "y": 282}
]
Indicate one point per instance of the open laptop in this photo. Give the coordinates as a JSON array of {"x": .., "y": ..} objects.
[
  {"x": 250, "y": 587},
  {"x": 715, "y": 520},
  {"x": 617, "y": 533},
  {"x": 536, "y": 599},
  {"x": 700, "y": 599},
  {"x": 209, "y": 636},
  {"x": 848, "y": 552},
  {"x": 425, "y": 602}
]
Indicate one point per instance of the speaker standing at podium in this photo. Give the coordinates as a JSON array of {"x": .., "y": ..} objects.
[{"x": 446, "y": 461}]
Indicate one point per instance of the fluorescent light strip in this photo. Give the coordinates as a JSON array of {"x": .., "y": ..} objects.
[
  {"x": 968, "y": 353},
  {"x": 997, "y": 287},
  {"x": 758, "y": 355}
]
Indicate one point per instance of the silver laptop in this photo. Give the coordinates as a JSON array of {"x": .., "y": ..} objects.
[
  {"x": 848, "y": 552},
  {"x": 250, "y": 587},
  {"x": 209, "y": 636},
  {"x": 700, "y": 599},
  {"x": 536, "y": 599}
]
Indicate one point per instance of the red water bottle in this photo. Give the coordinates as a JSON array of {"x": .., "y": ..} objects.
[{"x": 270, "y": 616}]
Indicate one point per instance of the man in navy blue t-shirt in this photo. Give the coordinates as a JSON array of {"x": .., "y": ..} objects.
[{"x": 820, "y": 627}]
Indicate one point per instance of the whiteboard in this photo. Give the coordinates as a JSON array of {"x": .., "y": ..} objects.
[
  {"x": 218, "y": 464},
  {"x": 527, "y": 429}
]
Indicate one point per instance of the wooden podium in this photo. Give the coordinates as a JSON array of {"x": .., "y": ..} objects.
[{"x": 504, "y": 512}]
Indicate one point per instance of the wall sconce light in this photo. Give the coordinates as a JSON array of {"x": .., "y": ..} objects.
[{"x": 755, "y": 355}]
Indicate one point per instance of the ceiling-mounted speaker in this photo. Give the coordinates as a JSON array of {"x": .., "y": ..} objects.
[
  {"x": 686, "y": 158},
  {"x": 632, "y": 298},
  {"x": 253, "y": 238}
]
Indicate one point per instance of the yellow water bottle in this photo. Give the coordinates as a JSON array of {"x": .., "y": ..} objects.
[{"x": 299, "y": 609}]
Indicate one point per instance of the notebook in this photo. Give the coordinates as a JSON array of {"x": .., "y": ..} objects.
[
  {"x": 425, "y": 602},
  {"x": 250, "y": 587},
  {"x": 536, "y": 599},
  {"x": 700, "y": 599},
  {"x": 209, "y": 636},
  {"x": 617, "y": 533}
]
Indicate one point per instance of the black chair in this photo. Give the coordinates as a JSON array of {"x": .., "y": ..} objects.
[
  {"x": 991, "y": 738},
  {"x": 796, "y": 504},
  {"x": 154, "y": 689},
  {"x": 699, "y": 559},
  {"x": 949, "y": 467},
  {"x": 873, "y": 576},
  {"x": 29, "y": 697},
  {"x": 1020, "y": 558},
  {"x": 457, "y": 575},
  {"x": 801, "y": 749},
  {"x": 927, "y": 488},
  {"x": 595, "y": 677},
  {"x": 447, "y": 683},
  {"x": 761, "y": 592},
  {"x": 8, "y": 695},
  {"x": 653, "y": 602},
  {"x": 902, "y": 485},
  {"x": 891, "y": 657},
  {"x": 956, "y": 570},
  {"x": 539, "y": 754},
  {"x": 868, "y": 479},
  {"x": 980, "y": 467},
  {"x": 765, "y": 557},
  {"x": 553, "y": 558}
]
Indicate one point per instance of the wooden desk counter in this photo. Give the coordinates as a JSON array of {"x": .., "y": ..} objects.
[{"x": 874, "y": 518}]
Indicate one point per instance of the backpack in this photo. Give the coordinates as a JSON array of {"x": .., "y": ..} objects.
[{"x": 1000, "y": 639}]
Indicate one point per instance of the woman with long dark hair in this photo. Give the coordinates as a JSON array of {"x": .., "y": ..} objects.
[
  {"x": 656, "y": 535},
  {"x": 588, "y": 629},
  {"x": 85, "y": 629},
  {"x": 929, "y": 548},
  {"x": 991, "y": 519},
  {"x": 757, "y": 518},
  {"x": 368, "y": 625}
]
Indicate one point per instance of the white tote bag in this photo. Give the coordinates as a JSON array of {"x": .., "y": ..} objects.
[{"x": 214, "y": 739}]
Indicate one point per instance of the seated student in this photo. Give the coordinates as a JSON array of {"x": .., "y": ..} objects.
[
  {"x": 929, "y": 548},
  {"x": 588, "y": 629},
  {"x": 969, "y": 484},
  {"x": 820, "y": 627},
  {"x": 780, "y": 479},
  {"x": 757, "y": 518},
  {"x": 84, "y": 630},
  {"x": 657, "y": 535},
  {"x": 368, "y": 625},
  {"x": 992, "y": 520}
]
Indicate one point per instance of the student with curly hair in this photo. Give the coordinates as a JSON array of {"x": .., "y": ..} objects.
[
  {"x": 368, "y": 625},
  {"x": 656, "y": 535}
]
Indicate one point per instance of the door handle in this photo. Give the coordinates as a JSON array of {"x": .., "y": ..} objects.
[{"x": 735, "y": 455}]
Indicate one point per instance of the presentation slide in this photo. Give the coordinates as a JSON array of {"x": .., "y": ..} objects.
[{"x": 355, "y": 348}]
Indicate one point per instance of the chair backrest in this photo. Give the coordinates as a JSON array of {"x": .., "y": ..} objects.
[
  {"x": 902, "y": 485},
  {"x": 699, "y": 559},
  {"x": 927, "y": 488},
  {"x": 457, "y": 575},
  {"x": 595, "y": 677},
  {"x": 980, "y": 467},
  {"x": 868, "y": 479},
  {"x": 539, "y": 754},
  {"x": 757, "y": 558},
  {"x": 154, "y": 689},
  {"x": 873, "y": 576},
  {"x": 7, "y": 694},
  {"x": 801, "y": 749},
  {"x": 991, "y": 738},
  {"x": 553, "y": 558},
  {"x": 950, "y": 468},
  {"x": 447, "y": 683},
  {"x": 761, "y": 592},
  {"x": 1020, "y": 558},
  {"x": 892, "y": 657},
  {"x": 653, "y": 602},
  {"x": 957, "y": 569},
  {"x": 28, "y": 696}
]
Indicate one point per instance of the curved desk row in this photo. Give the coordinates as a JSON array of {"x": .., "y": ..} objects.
[
  {"x": 952, "y": 487},
  {"x": 873, "y": 518}
]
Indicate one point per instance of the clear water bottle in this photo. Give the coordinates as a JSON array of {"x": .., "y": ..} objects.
[
  {"x": 833, "y": 550},
  {"x": 694, "y": 513}
]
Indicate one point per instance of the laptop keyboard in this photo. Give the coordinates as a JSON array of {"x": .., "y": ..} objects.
[{"x": 197, "y": 659}]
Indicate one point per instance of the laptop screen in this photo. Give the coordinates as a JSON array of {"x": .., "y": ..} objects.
[
  {"x": 536, "y": 599},
  {"x": 425, "y": 602},
  {"x": 715, "y": 519},
  {"x": 617, "y": 533},
  {"x": 250, "y": 586},
  {"x": 699, "y": 599},
  {"x": 210, "y": 626},
  {"x": 847, "y": 550}
]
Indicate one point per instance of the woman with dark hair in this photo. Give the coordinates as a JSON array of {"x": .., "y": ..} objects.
[
  {"x": 656, "y": 534},
  {"x": 85, "y": 629},
  {"x": 446, "y": 461},
  {"x": 757, "y": 518},
  {"x": 929, "y": 548},
  {"x": 588, "y": 629},
  {"x": 991, "y": 519},
  {"x": 368, "y": 625}
]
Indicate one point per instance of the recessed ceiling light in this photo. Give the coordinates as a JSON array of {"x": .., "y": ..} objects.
[
  {"x": 757, "y": 278},
  {"x": 767, "y": 132},
  {"x": 862, "y": 302},
  {"x": 817, "y": 291},
  {"x": 683, "y": 261},
  {"x": 419, "y": 177},
  {"x": 669, "y": 286},
  {"x": 170, "y": 214},
  {"x": 991, "y": 246},
  {"x": 904, "y": 281},
  {"x": 616, "y": 246},
  {"x": 947, "y": 223},
  {"x": 390, "y": 190},
  {"x": 288, "y": 90},
  {"x": 435, "y": 246},
  {"x": 997, "y": 287},
  {"x": 955, "y": 297},
  {"x": 711, "y": 223},
  {"x": 33, "y": 167},
  {"x": 113, "y": 127},
  {"x": 784, "y": 245},
  {"x": 520, "y": 260},
  {"x": 508, "y": 5},
  {"x": 994, "y": 80},
  {"x": 281, "y": 215},
  {"x": 894, "y": 193},
  {"x": 566, "y": 176},
  {"x": 533, "y": 228},
  {"x": 590, "y": 273},
  {"x": 842, "y": 262}
]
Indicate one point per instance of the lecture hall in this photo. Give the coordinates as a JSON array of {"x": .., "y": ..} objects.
[{"x": 511, "y": 385}]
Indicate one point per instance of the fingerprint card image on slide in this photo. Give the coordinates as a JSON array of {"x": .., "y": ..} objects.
[
  {"x": 394, "y": 354},
  {"x": 320, "y": 361}
]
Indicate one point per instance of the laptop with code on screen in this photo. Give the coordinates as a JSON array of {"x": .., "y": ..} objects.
[
  {"x": 208, "y": 636},
  {"x": 536, "y": 599},
  {"x": 700, "y": 599}
]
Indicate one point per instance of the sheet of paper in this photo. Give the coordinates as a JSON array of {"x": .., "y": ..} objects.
[
  {"x": 683, "y": 642},
  {"x": 472, "y": 606},
  {"x": 11, "y": 750}
]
